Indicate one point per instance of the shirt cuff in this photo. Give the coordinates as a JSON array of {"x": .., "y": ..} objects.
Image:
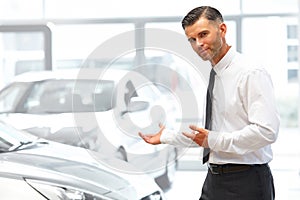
[
  {"x": 212, "y": 139},
  {"x": 166, "y": 136}
]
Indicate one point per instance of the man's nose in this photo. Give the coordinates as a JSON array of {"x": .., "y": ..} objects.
[{"x": 199, "y": 42}]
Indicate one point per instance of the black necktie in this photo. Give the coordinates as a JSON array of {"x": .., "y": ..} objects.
[{"x": 209, "y": 110}]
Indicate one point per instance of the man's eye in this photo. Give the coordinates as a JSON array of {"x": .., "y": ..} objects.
[
  {"x": 192, "y": 40},
  {"x": 204, "y": 34}
]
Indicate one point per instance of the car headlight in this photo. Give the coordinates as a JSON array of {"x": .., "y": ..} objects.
[
  {"x": 58, "y": 192},
  {"x": 153, "y": 196}
]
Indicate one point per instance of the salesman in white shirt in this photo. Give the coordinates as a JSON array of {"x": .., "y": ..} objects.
[{"x": 242, "y": 120}]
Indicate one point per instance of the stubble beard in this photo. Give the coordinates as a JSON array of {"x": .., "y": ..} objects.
[{"x": 214, "y": 52}]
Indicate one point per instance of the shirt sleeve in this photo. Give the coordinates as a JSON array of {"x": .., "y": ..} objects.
[
  {"x": 169, "y": 136},
  {"x": 262, "y": 121}
]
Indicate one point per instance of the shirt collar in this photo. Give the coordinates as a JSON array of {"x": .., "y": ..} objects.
[{"x": 224, "y": 62}]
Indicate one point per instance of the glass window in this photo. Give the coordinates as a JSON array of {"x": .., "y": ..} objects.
[
  {"x": 269, "y": 6},
  {"x": 176, "y": 26},
  {"x": 293, "y": 75},
  {"x": 130, "y": 8},
  {"x": 292, "y": 53},
  {"x": 11, "y": 97},
  {"x": 171, "y": 34},
  {"x": 163, "y": 54},
  {"x": 260, "y": 44},
  {"x": 231, "y": 35},
  {"x": 228, "y": 7},
  {"x": 73, "y": 44},
  {"x": 172, "y": 26},
  {"x": 56, "y": 9},
  {"x": 292, "y": 31},
  {"x": 275, "y": 56},
  {"x": 60, "y": 96},
  {"x": 19, "y": 9},
  {"x": 21, "y": 52}
]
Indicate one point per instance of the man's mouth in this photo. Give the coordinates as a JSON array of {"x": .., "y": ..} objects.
[{"x": 203, "y": 52}]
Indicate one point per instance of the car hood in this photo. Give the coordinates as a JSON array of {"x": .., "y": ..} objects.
[
  {"x": 86, "y": 120},
  {"x": 65, "y": 172},
  {"x": 51, "y": 127},
  {"x": 92, "y": 167},
  {"x": 25, "y": 121},
  {"x": 137, "y": 150}
]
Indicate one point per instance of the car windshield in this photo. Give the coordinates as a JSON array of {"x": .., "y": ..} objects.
[
  {"x": 11, "y": 96},
  {"x": 66, "y": 96}
]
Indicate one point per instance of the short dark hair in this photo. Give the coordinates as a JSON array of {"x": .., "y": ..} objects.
[{"x": 208, "y": 12}]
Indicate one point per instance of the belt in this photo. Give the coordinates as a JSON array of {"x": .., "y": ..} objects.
[{"x": 228, "y": 168}]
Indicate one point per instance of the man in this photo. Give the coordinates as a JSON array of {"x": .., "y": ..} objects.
[{"x": 241, "y": 117}]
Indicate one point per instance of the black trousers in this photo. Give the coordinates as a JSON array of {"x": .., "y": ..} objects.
[{"x": 255, "y": 183}]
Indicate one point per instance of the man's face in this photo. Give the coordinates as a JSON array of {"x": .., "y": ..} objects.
[{"x": 206, "y": 38}]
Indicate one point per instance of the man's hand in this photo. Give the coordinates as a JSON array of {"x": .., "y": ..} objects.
[
  {"x": 153, "y": 138},
  {"x": 198, "y": 135}
]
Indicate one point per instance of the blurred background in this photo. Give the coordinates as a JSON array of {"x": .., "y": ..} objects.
[{"x": 38, "y": 35}]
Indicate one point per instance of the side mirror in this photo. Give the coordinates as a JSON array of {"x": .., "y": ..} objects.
[{"x": 137, "y": 104}]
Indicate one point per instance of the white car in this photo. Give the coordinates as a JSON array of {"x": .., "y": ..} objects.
[
  {"x": 32, "y": 168},
  {"x": 101, "y": 110}
]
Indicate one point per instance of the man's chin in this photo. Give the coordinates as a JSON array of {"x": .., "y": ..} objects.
[{"x": 205, "y": 57}]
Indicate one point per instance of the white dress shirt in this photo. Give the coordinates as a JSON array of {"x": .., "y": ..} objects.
[{"x": 245, "y": 121}]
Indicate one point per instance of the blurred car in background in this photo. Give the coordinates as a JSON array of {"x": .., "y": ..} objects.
[
  {"x": 94, "y": 109},
  {"x": 32, "y": 168}
]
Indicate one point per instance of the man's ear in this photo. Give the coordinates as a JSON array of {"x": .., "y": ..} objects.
[{"x": 223, "y": 29}]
